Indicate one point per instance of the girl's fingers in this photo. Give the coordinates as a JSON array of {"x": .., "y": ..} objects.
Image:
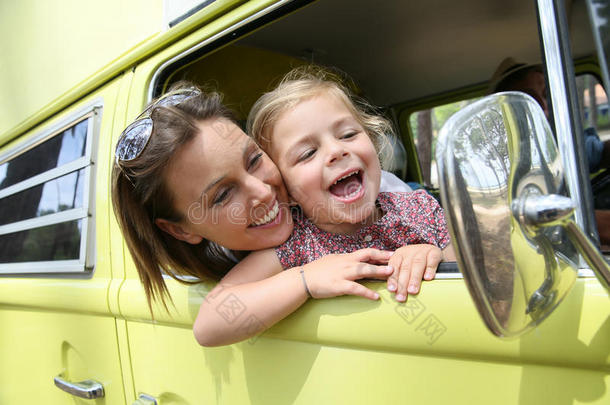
[
  {"x": 434, "y": 258},
  {"x": 403, "y": 279},
  {"x": 396, "y": 263},
  {"x": 418, "y": 266}
]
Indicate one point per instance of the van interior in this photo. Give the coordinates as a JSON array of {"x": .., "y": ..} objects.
[{"x": 405, "y": 57}]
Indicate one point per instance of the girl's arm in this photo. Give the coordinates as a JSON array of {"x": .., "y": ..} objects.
[
  {"x": 256, "y": 293},
  {"x": 448, "y": 254}
]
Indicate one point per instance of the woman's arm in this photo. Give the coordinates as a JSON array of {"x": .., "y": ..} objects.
[{"x": 256, "y": 293}]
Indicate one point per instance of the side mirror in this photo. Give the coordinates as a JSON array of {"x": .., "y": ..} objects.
[{"x": 502, "y": 187}]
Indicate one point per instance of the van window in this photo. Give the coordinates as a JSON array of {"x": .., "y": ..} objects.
[
  {"x": 44, "y": 201},
  {"x": 425, "y": 125},
  {"x": 594, "y": 104}
]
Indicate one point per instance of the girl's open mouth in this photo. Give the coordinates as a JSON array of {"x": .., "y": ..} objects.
[{"x": 348, "y": 187}]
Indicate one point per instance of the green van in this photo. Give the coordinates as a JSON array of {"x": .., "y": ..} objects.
[{"x": 520, "y": 318}]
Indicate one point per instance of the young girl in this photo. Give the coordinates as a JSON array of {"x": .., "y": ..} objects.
[{"x": 324, "y": 146}]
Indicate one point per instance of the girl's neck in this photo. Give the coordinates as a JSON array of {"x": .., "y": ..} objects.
[{"x": 346, "y": 228}]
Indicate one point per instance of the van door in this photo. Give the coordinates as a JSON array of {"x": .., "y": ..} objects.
[
  {"x": 58, "y": 339},
  {"x": 432, "y": 349}
]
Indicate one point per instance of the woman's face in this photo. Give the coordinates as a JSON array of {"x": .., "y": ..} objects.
[{"x": 227, "y": 191}]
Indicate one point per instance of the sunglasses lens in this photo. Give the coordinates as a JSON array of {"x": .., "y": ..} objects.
[
  {"x": 175, "y": 99},
  {"x": 134, "y": 139}
]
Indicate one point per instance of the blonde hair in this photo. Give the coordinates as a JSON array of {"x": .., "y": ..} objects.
[
  {"x": 303, "y": 83},
  {"x": 140, "y": 195}
]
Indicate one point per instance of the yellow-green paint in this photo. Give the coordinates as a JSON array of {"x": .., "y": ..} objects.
[
  {"x": 62, "y": 324},
  {"x": 353, "y": 350},
  {"x": 65, "y": 49},
  {"x": 56, "y": 45},
  {"x": 344, "y": 350}
]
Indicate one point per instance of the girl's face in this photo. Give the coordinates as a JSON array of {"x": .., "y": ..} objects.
[
  {"x": 227, "y": 190},
  {"x": 328, "y": 162}
]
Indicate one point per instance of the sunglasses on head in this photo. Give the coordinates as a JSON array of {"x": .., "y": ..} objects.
[{"x": 135, "y": 137}]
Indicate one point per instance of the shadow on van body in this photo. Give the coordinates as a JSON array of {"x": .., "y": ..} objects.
[
  {"x": 569, "y": 378},
  {"x": 278, "y": 363}
]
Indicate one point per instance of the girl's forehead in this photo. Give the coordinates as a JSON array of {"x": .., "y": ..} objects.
[{"x": 336, "y": 98}]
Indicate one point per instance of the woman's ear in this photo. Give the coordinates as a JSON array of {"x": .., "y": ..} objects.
[{"x": 177, "y": 231}]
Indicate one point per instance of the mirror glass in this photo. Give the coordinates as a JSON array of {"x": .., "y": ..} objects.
[{"x": 492, "y": 156}]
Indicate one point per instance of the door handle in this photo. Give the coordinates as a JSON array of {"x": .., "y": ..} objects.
[
  {"x": 87, "y": 389},
  {"x": 145, "y": 399}
]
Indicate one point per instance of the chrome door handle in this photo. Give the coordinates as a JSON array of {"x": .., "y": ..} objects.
[
  {"x": 87, "y": 389},
  {"x": 145, "y": 399}
]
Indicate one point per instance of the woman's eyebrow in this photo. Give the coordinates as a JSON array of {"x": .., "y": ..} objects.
[
  {"x": 212, "y": 184},
  {"x": 209, "y": 187},
  {"x": 245, "y": 149}
]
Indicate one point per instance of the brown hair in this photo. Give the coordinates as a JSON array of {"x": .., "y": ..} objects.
[
  {"x": 140, "y": 195},
  {"x": 513, "y": 80},
  {"x": 306, "y": 82}
]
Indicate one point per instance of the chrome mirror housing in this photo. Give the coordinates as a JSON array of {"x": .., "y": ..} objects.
[{"x": 502, "y": 187}]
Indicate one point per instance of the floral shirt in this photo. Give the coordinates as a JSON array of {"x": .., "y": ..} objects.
[{"x": 409, "y": 218}]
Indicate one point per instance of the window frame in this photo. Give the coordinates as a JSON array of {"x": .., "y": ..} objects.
[
  {"x": 405, "y": 110},
  {"x": 86, "y": 213}
]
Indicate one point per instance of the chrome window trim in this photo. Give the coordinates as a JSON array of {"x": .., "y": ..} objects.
[
  {"x": 439, "y": 276},
  {"x": 87, "y": 243},
  {"x": 568, "y": 127},
  {"x": 221, "y": 34},
  {"x": 57, "y": 266},
  {"x": 37, "y": 222},
  {"x": 448, "y": 276},
  {"x": 70, "y": 121},
  {"x": 46, "y": 176},
  {"x": 585, "y": 273},
  {"x": 87, "y": 252}
]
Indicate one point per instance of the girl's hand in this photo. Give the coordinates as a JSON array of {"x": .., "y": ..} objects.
[
  {"x": 334, "y": 275},
  {"x": 410, "y": 263}
]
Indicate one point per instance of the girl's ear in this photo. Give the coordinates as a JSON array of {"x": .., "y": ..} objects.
[{"x": 177, "y": 231}]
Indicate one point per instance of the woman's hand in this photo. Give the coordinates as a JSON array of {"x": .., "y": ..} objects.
[
  {"x": 335, "y": 275},
  {"x": 412, "y": 263}
]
